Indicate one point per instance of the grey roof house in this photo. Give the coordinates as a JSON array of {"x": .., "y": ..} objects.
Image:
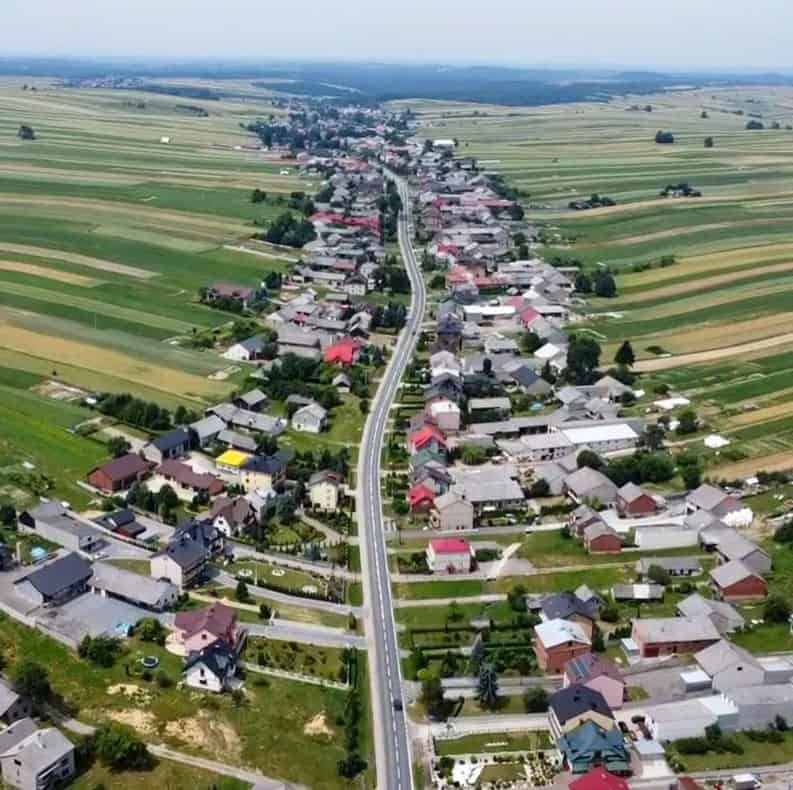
[
  {"x": 33, "y": 758},
  {"x": 56, "y": 582}
]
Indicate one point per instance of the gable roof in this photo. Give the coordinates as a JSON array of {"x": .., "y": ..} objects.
[
  {"x": 124, "y": 467},
  {"x": 567, "y": 703},
  {"x": 218, "y": 658},
  {"x": 589, "y": 666},
  {"x": 706, "y": 497},
  {"x": 59, "y": 574},
  {"x": 556, "y": 632},
  {"x": 599, "y": 779},
  {"x": 217, "y": 619},
  {"x": 565, "y": 604},
  {"x": 171, "y": 440},
  {"x": 585, "y": 480},
  {"x": 675, "y": 629},
  {"x": 696, "y": 605},
  {"x": 450, "y": 546},
  {"x": 731, "y": 573}
]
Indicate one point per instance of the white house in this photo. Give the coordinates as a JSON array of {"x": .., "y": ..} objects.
[
  {"x": 449, "y": 555},
  {"x": 310, "y": 419},
  {"x": 245, "y": 350},
  {"x": 324, "y": 489},
  {"x": 446, "y": 415},
  {"x": 213, "y": 669}
]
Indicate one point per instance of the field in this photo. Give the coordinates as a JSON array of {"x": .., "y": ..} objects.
[
  {"x": 166, "y": 775},
  {"x": 712, "y": 319},
  {"x": 490, "y": 742},
  {"x": 107, "y": 233}
]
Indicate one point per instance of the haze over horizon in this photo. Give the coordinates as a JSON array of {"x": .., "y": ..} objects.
[{"x": 678, "y": 35}]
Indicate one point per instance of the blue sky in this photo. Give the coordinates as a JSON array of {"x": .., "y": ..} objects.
[{"x": 652, "y": 33}]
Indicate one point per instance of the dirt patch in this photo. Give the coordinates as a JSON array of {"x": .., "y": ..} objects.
[
  {"x": 207, "y": 732},
  {"x": 51, "y": 274},
  {"x": 140, "y": 695},
  {"x": 59, "y": 391},
  {"x": 698, "y": 357},
  {"x": 79, "y": 260},
  {"x": 318, "y": 726},
  {"x": 777, "y": 462},
  {"x": 140, "y": 720}
]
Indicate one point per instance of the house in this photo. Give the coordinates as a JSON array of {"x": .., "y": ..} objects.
[
  {"x": 713, "y": 500},
  {"x": 119, "y": 474},
  {"x": 173, "y": 444},
  {"x": 598, "y": 673},
  {"x": 253, "y": 400},
  {"x": 229, "y": 291},
  {"x": 530, "y": 382},
  {"x": 427, "y": 438},
  {"x": 246, "y": 350},
  {"x": 489, "y": 487},
  {"x": 449, "y": 555},
  {"x": 598, "y": 779},
  {"x": 556, "y": 642},
  {"x": 451, "y": 511},
  {"x": 12, "y": 706},
  {"x": 724, "y": 616},
  {"x": 589, "y": 746},
  {"x": 601, "y": 539},
  {"x": 263, "y": 472},
  {"x": 211, "y": 669},
  {"x": 664, "y": 636},
  {"x": 152, "y": 594},
  {"x": 239, "y": 441},
  {"x": 198, "y": 629},
  {"x": 233, "y": 515},
  {"x": 324, "y": 490},
  {"x": 342, "y": 383},
  {"x": 569, "y": 606},
  {"x": 589, "y": 485},
  {"x": 736, "y": 581},
  {"x": 445, "y": 414},
  {"x": 500, "y": 406},
  {"x": 207, "y": 429},
  {"x": 300, "y": 342},
  {"x": 33, "y": 758},
  {"x": 55, "y": 583},
  {"x": 687, "y": 718},
  {"x": 231, "y": 460},
  {"x": 310, "y": 419},
  {"x": 571, "y": 707},
  {"x": 420, "y": 498},
  {"x": 676, "y": 567},
  {"x": 344, "y": 351},
  {"x": 730, "y": 545},
  {"x": 53, "y": 522},
  {"x": 183, "y": 562},
  {"x": 632, "y": 502},
  {"x": 183, "y": 477}
]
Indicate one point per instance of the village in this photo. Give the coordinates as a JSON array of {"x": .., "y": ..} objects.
[{"x": 567, "y": 582}]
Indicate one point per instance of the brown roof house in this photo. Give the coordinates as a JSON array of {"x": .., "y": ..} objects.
[
  {"x": 119, "y": 474},
  {"x": 664, "y": 636}
]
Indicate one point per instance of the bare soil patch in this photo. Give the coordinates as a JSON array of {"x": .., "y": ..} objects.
[
  {"x": 318, "y": 725},
  {"x": 50, "y": 274},
  {"x": 79, "y": 260}
]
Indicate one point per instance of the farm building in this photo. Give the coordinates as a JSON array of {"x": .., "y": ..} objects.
[
  {"x": 735, "y": 581},
  {"x": 665, "y": 636},
  {"x": 58, "y": 581},
  {"x": 601, "y": 539},
  {"x": 119, "y": 474},
  {"x": 632, "y": 502}
]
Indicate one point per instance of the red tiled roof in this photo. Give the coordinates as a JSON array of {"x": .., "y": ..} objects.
[
  {"x": 450, "y": 546},
  {"x": 599, "y": 779},
  {"x": 344, "y": 350},
  {"x": 529, "y": 315},
  {"x": 419, "y": 494},
  {"x": 370, "y": 223},
  {"x": 426, "y": 435}
]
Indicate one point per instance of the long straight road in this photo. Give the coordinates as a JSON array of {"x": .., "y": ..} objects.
[{"x": 392, "y": 743}]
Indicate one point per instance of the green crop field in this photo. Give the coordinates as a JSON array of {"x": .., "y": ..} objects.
[
  {"x": 720, "y": 310},
  {"x": 107, "y": 232}
]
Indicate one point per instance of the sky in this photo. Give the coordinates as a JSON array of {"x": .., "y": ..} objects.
[{"x": 718, "y": 34}]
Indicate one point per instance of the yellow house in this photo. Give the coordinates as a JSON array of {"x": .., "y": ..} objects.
[{"x": 232, "y": 460}]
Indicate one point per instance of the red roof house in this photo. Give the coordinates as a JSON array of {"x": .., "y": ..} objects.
[
  {"x": 529, "y": 316},
  {"x": 421, "y": 498},
  {"x": 344, "y": 351},
  {"x": 599, "y": 779},
  {"x": 120, "y": 473},
  {"x": 449, "y": 555},
  {"x": 428, "y": 436}
]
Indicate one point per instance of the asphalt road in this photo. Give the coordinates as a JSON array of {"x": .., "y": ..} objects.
[{"x": 392, "y": 743}]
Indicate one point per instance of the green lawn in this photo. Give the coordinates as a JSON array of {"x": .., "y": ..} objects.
[
  {"x": 257, "y": 733},
  {"x": 493, "y": 743},
  {"x": 454, "y": 588},
  {"x": 754, "y": 753},
  {"x": 166, "y": 775}
]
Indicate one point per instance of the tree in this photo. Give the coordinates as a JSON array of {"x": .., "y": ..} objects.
[
  {"x": 692, "y": 476},
  {"x": 658, "y": 575},
  {"x": 258, "y": 196},
  {"x": 531, "y": 341},
  {"x": 265, "y": 611},
  {"x": 708, "y": 142},
  {"x": 664, "y": 138},
  {"x": 8, "y": 515},
  {"x": 540, "y": 488},
  {"x": 583, "y": 283},
  {"x": 118, "y": 446},
  {"x": 610, "y": 613},
  {"x": 477, "y": 656},
  {"x": 776, "y": 609},
  {"x": 150, "y": 629},
  {"x": 119, "y": 747},
  {"x": 583, "y": 357},
  {"x": 625, "y": 355},
  {"x": 589, "y": 458},
  {"x": 432, "y": 695},
  {"x": 535, "y": 700},
  {"x": 653, "y": 438},
  {"x": 487, "y": 687},
  {"x": 605, "y": 285},
  {"x": 241, "y": 593},
  {"x": 363, "y": 406},
  {"x": 100, "y": 650},
  {"x": 687, "y": 422},
  {"x": 516, "y": 598},
  {"x": 26, "y": 132},
  {"x": 31, "y": 680},
  {"x": 655, "y": 468}
]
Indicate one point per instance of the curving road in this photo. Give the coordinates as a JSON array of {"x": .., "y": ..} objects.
[{"x": 392, "y": 743}]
